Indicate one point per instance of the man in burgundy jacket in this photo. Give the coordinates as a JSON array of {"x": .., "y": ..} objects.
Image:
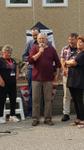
[{"x": 42, "y": 56}]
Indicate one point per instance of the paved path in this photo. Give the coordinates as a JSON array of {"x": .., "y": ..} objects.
[{"x": 22, "y": 136}]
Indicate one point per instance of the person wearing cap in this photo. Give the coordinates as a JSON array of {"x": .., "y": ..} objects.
[{"x": 8, "y": 74}]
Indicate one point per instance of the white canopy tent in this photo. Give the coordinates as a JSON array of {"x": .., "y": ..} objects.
[{"x": 43, "y": 29}]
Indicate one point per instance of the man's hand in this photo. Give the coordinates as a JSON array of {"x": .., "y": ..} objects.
[{"x": 41, "y": 49}]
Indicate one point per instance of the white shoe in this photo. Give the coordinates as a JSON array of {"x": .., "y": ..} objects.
[
  {"x": 13, "y": 119},
  {"x": 2, "y": 120}
]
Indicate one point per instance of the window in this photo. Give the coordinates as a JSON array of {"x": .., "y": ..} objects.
[
  {"x": 18, "y": 3},
  {"x": 55, "y": 3}
]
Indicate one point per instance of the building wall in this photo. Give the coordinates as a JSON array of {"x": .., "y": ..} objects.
[{"x": 62, "y": 20}]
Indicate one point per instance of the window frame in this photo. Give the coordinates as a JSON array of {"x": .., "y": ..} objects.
[
  {"x": 64, "y": 4},
  {"x": 29, "y": 4}
]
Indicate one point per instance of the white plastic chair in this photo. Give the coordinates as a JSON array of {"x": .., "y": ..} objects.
[{"x": 19, "y": 110}]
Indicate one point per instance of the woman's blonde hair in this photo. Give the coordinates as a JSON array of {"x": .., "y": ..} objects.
[{"x": 7, "y": 48}]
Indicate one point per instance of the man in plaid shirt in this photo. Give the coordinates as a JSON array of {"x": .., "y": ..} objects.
[{"x": 66, "y": 53}]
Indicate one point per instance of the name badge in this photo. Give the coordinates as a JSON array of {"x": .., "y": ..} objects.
[{"x": 12, "y": 74}]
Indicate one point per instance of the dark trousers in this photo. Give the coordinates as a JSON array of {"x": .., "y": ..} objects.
[
  {"x": 29, "y": 113},
  {"x": 77, "y": 96},
  {"x": 10, "y": 91}
]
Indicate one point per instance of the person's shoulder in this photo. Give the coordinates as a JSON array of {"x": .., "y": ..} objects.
[
  {"x": 29, "y": 42},
  {"x": 2, "y": 59},
  {"x": 35, "y": 45},
  {"x": 50, "y": 45},
  {"x": 34, "y": 48},
  {"x": 81, "y": 54},
  {"x": 66, "y": 47}
]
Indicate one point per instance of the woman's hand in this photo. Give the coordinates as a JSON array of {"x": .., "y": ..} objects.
[
  {"x": 71, "y": 62},
  {"x": 2, "y": 83}
]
